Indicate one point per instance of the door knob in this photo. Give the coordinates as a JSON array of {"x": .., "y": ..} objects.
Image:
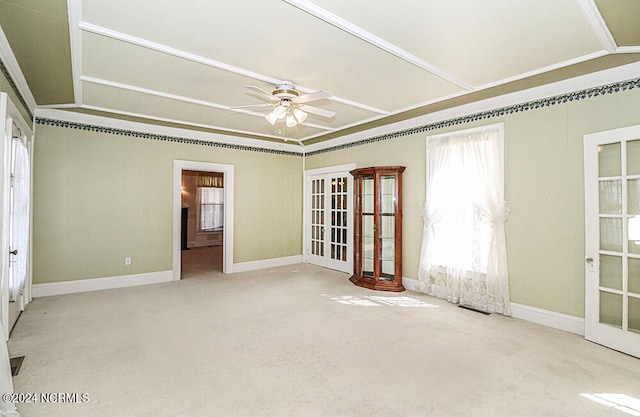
[
  {"x": 589, "y": 260},
  {"x": 13, "y": 252}
]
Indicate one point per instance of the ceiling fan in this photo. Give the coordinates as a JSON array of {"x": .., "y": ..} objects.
[{"x": 288, "y": 104}]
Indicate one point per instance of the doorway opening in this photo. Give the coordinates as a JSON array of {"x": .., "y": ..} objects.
[
  {"x": 202, "y": 222},
  {"x": 203, "y": 233}
]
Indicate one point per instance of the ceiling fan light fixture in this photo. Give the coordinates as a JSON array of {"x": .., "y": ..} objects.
[
  {"x": 288, "y": 104},
  {"x": 299, "y": 115},
  {"x": 273, "y": 116},
  {"x": 291, "y": 121}
]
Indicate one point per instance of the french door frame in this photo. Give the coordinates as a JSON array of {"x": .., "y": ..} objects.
[
  {"x": 9, "y": 116},
  {"x": 620, "y": 339},
  {"x": 306, "y": 238}
]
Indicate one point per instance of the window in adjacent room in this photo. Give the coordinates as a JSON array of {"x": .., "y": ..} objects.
[{"x": 210, "y": 202}]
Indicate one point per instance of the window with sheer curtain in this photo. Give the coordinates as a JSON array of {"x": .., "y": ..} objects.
[
  {"x": 463, "y": 256},
  {"x": 210, "y": 203}
]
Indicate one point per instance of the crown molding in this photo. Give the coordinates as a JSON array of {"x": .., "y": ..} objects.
[
  {"x": 116, "y": 126},
  {"x": 523, "y": 100},
  {"x": 628, "y": 50},
  {"x": 597, "y": 23}
]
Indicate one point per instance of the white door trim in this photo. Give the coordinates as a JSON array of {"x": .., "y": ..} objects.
[
  {"x": 306, "y": 204},
  {"x": 330, "y": 170},
  {"x": 227, "y": 245},
  {"x": 5, "y": 148}
]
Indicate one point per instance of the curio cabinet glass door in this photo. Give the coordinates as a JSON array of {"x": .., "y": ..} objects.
[{"x": 378, "y": 228}]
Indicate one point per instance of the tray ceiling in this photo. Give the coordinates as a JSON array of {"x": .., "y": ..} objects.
[{"x": 186, "y": 63}]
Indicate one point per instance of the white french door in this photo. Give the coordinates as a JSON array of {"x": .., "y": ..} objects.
[
  {"x": 19, "y": 202},
  {"x": 612, "y": 235},
  {"x": 329, "y": 220},
  {"x": 16, "y": 214}
]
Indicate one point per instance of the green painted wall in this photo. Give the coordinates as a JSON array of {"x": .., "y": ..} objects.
[
  {"x": 99, "y": 198},
  {"x": 543, "y": 184}
]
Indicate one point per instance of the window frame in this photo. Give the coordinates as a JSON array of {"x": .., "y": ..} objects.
[{"x": 200, "y": 205}]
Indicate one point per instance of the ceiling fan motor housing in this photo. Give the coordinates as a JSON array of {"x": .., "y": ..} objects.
[{"x": 285, "y": 90}]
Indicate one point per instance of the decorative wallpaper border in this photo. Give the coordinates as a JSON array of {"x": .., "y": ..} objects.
[
  {"x": 531, "y": 105},
  {"x": 517, "y": 108},
  {"x": 13, "y": 85},
  {"x": 153, "y": 136}
]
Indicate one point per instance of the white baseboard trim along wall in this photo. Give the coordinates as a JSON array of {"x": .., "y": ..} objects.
[
  {"x": 409, "y": 284},
  {"x": 267, "y": 263},
  {"x": 95, "y": 284},
  {"x": 519, "y": 311},
  {"x": 548, "y": 318},
  {"x": 560, "y": 321}
]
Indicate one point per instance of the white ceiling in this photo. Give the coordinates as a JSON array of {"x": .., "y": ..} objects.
[{"x": 188, "y": 62}]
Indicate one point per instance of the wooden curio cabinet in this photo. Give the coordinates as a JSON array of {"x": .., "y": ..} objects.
[{"x": 377, "y": 229}]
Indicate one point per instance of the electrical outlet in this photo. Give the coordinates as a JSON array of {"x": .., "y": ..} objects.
[{"x": 127, "y": 261}]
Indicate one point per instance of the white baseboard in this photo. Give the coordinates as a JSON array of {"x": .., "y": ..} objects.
[
  {"x": 533, "y": 314},
  {"x": 85, "y": 285},
  {"x": 409, "y": 284},
  {"x": 267, "y": 263},
  {"x": 548, "y": 318}
]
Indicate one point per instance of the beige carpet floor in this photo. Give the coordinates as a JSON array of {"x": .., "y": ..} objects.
[{"x": 303, "y": 341}]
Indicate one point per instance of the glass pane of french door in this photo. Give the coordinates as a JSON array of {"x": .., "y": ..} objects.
[
  {"x": 339, "y": 226},
  {"x": 317, "y": 217}
]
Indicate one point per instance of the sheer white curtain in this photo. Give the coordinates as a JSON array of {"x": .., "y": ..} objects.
[
  {"x": 463, "y": 257},
  {"x": 21, "y": 201}
]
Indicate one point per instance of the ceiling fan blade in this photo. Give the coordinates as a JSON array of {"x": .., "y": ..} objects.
[
  {"x": 252, "y": 105},
  {"x": 262, "y": 92},
  {"x": 318, "y": 95},
  {"x": 317, "y": 111}
]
